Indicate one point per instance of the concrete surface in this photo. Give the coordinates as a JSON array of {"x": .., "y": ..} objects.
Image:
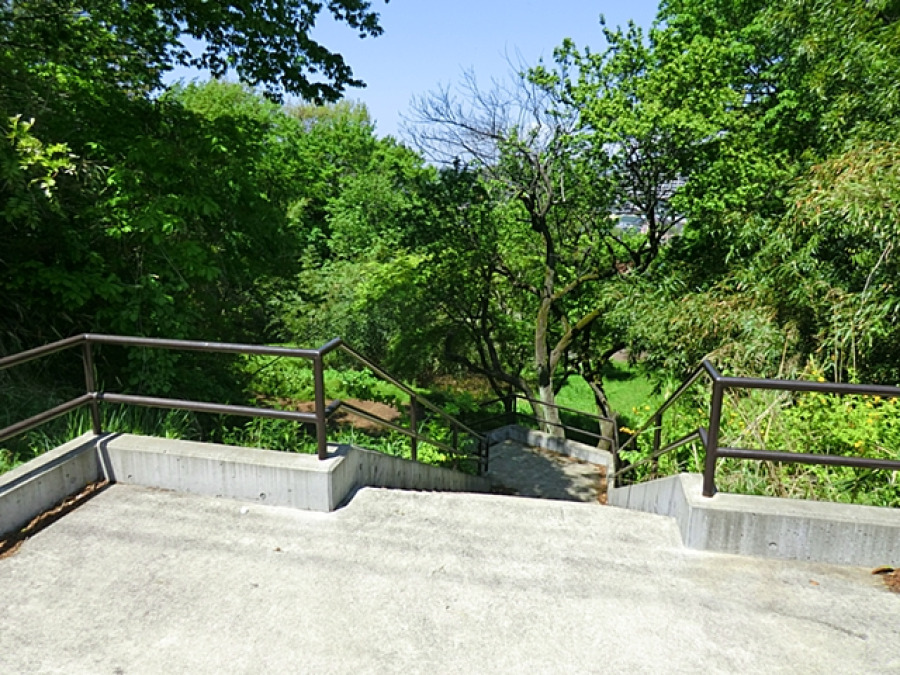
[
  {"x": 250, "y": 474},
  {"x": 29, "y": 490},
  {"x": 527, "y": 471},
  {"x": 561, "y": 446},
  {"x": 145, "y": 581},
  {"x": 842, "y": 534}
]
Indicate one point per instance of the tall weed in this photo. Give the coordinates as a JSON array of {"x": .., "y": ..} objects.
[{"x": 827, "y": 424}]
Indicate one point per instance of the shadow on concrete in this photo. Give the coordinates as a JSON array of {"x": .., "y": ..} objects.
[{"x": 524, "y": 471}]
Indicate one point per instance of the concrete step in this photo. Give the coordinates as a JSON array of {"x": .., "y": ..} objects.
[{"x": 144, "y": 580}]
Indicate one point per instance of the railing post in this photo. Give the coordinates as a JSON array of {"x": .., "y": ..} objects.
[
  {"x": 657, "y": 443},
  {"x": 712, "y": 440},
  {"x": 319, "y": 384},
  {"x": 455, "y": 437},
  {"x": 414, "y": 427},
  {"x": 510, "y": 404},
  {"x": 91, "y": 387}
]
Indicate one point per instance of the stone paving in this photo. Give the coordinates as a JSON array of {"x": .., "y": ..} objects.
[{"x": 535, "y": 472}]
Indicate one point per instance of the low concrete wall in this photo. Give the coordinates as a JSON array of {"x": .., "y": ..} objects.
[
  {"x": 265, "y": 476},
  {"x": 376, "y": 469},
  {"x": 538, "y": 439},
  {"x": 29, "y": 490},
  {"x": 246, "y": 474},
  {"x": 841, "y": 534}
]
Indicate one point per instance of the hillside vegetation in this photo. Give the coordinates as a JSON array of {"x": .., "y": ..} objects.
[{"x": 725, "y": 185}]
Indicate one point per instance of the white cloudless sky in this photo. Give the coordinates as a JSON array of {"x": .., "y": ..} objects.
[{"x": 429, "y": 43}]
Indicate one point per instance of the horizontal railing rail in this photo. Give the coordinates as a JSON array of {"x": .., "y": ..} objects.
[
  {"x": 318, "y": 417},
  {"x": 44, "y": 417},
  {"x": 709, "y": 437}
]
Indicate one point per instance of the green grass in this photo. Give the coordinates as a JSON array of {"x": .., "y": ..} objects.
[
  {"x": 578, "y": 395},
  {"x": 116, "y": 418},
  {"x": 629, "y": 390}
]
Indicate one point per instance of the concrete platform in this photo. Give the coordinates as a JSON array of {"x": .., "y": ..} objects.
[
  {"x": 139, "y": 580},
  {"x": 527, "y": 471}
]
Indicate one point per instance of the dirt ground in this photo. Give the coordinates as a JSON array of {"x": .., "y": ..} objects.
[{"x": 347, "y": 418}]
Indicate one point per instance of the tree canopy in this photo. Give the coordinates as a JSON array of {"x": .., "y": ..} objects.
[{"x": 724, "y": 185}]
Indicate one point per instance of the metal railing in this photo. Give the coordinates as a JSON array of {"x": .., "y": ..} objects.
[
  {"x": 511, "y": 414},
  {"x": 319, "y": 417},
  {"x": 709, "y": 437}
]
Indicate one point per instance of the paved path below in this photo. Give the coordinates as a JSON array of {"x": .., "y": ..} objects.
[
  {"x": 146, "y": 581},
  {"x": 534, "y": 472}
]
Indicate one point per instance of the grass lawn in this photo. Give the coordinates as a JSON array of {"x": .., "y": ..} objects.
[{"x": 629, "y": 391}]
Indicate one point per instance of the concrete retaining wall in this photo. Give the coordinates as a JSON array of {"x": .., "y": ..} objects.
[
  {"x": 247, "y": 474},
  {"x": 29, "y": 490},
  {"x": 841, "y": 534},
  {"x": 266, "y": 476}
]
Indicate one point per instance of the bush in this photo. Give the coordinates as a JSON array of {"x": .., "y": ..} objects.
[{"x": 863, "y": 426}]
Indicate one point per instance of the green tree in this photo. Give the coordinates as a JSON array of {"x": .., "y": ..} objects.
[
  {"x": 806, "y": 112},
  {"x": 553, "y": 218},
  {"x": 129, "y": 209}
]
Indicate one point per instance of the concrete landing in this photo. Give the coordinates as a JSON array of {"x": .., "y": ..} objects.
[
  {"x": 138, "y": 580},
  {"x": 529, "y": 471}
]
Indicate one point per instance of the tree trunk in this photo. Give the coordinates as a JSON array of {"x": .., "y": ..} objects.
[
  {"x": 607, "y": 426},
  {"x": 547, "y": 412}
]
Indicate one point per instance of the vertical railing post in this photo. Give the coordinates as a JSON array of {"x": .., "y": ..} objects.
[
  {"x": 657, "y": 443},
  {"x": 319, "y": 384},
  {"x": 414, "y": 427},
  {"x": 712, "y": 441},
  {"x": 455, "y": 436},
  {"x": 510, "y": 404},
  {"x": 90, "y": 385}
]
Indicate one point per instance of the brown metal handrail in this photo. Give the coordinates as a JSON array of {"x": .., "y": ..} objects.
[
  {"x": 709, "y": 438},
  {"x": 319, "y": 417}
]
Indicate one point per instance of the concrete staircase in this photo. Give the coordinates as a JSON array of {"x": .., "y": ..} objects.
[{"x": 525, "y": 463}]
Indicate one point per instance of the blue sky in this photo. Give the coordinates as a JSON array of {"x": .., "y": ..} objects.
[{"x": 430, "y": 43}]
